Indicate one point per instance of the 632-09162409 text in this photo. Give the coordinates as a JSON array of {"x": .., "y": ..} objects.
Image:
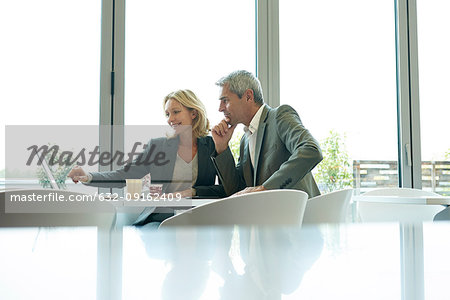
[{"x": 59, "y": 197}]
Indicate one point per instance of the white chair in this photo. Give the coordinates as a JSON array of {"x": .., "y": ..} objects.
[
  {"x": 48, "y": 213},
  {"x": 274, "y": 207},
  {"x": 372, "y": 211},
  {"x": 328, "y": 208}
]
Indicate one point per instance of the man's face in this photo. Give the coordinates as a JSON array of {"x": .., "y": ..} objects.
[{"x": 232, "y": 107}]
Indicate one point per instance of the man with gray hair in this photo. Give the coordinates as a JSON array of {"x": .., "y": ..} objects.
[{"x": 276, "y": 151}]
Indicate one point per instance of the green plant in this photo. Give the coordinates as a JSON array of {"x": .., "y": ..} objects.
[
  {"x": 335, "y": 170},
  {"x": 59, "y": 171},
  {"x": 446, "y": 190},
  {"x": 235, "y": 143}
]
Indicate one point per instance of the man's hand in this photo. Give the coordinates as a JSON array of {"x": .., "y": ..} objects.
[
  {"x": 221, "y": 134},
  {"x": 250, "y": 189},
  {"x": 185, "y": 194},
  {"x": 78, "y": 174}
]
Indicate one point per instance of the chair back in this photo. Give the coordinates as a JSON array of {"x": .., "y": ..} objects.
[
  {"x": 328, "y": 208},
  {"x": 274, "y": 207}
]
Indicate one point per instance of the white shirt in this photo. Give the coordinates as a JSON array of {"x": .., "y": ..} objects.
[{"x": 251, "y": 132}]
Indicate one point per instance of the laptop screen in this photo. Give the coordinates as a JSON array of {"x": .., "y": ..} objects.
[{"x": 49, "y": 173}]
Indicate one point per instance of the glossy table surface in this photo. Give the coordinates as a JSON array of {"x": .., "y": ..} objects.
[{"x": 353, "y": 261}]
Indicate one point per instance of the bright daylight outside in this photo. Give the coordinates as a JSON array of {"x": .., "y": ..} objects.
[
  {"x": 63, "y": 75},
  {"x": 50, "y": 74},
  {"x": 338, "y": 69}
]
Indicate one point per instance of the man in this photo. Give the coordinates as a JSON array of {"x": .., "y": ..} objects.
[{"x": 276, "y": 152}]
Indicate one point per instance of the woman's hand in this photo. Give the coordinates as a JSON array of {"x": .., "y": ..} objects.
[{"x": 186, "y": 193}]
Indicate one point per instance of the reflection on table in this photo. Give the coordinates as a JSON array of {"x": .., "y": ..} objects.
[{"x": 354, "y": 261}]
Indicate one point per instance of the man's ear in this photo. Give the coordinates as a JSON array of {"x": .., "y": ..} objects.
[{"x": 249, "y": 95}]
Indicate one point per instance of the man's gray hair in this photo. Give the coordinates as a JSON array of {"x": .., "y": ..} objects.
[{"x": 239, "y": 81}]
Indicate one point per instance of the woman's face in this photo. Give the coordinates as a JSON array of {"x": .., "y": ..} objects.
[{"x": 177, "y": 114}]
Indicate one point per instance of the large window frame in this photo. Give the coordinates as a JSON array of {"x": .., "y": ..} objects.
[
  {"x": 410, "y": 162},
  {"x": 112, "y": 78},
  {"x": 112, "y": 100}
]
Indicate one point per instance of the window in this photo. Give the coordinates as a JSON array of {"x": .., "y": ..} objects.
[
  {"x": 338, "y": 70},
  {"x": 434, "y": 45},
  {"x": 174, "y": 44},
  {"x": 50, "y": 64}
]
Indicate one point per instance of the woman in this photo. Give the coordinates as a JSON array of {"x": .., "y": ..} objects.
[
  {"x": 194, "y": 149},
  {"x": 187, "y": 167}
]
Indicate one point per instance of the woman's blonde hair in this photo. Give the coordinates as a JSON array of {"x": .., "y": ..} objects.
[{"x": 187, "y": 98}]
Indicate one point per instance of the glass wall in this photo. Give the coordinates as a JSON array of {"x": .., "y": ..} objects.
[
  {"x": 337, "y": 67},
  {"x": 179, "y": 44},
  {"x": 434, "y": 65},
  {"x": 50, "y": 61},
  {"x": 338, "y": 70}
]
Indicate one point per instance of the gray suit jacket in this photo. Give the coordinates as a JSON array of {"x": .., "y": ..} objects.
[
  {"x": 285, "y": 154},
  {"x": 205, "y": 184}
]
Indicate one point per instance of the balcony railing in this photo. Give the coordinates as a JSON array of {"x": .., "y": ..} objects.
[{"x": 369, "y": 174}]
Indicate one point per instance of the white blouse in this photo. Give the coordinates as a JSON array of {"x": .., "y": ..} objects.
[{"x": 184, "y": 174}]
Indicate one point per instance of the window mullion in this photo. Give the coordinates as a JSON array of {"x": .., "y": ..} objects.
[
  {"x": 268, "y": 54},
  {"x": 405, "y": 160},
  {"x": 414, "y": 96}
]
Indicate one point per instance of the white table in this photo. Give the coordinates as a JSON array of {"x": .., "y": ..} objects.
[
  {"x": 407, "y": 210},
  {"x": 353, "y": 261}
]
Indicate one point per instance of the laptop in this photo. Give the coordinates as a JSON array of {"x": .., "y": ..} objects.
[{"x": 49, "y": 173}]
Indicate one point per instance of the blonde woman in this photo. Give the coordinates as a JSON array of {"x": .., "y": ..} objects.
[
  {"x": 193, "y": 148},
  {"x": 187, "y": 154}
]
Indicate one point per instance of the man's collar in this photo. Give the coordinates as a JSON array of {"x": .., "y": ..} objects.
[{"x": 254, "y": 123}]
